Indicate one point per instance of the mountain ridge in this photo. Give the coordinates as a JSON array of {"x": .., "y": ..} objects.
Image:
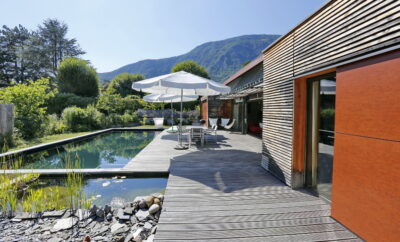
[{"x": 221, "y": 58}]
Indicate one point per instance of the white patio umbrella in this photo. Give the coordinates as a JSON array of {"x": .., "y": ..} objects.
[
  {"x": 161, "y": 98},
  {"x": 181, "y": 83}
]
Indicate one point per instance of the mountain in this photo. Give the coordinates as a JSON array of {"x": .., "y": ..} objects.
[{"x": 220, "y": 58}]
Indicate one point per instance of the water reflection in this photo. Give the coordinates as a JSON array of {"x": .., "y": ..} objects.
[{"x": 111, "y": 150}]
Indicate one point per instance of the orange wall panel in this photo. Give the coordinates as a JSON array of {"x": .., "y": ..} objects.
[
  {"x": 366, "y": 187},
  {"x": 368, "y": 97}
]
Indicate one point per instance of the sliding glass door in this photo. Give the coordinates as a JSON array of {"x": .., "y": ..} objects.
[{"x": 321, "y": 96}]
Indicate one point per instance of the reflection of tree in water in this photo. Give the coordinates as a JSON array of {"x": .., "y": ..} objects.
[{"x": 94, "y": 151}]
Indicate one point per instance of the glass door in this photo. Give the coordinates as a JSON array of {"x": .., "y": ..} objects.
[{"x": 321, "y": 96}]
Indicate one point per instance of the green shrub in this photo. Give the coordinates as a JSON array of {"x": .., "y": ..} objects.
[
  {"x": 29, "y": 102},
  {"x": 78, "y": 119},
  {"x": 122, "y": 84},
  {"x": 61, "y": 101},
  {"x": 56, "y": 125},
  {"x": 79, "y": 77}
]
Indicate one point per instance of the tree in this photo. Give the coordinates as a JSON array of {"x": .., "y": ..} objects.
[
  {"x": 29, "y": 99},
  {"x": 122, "y": 84},
  {"x": 79, "y": 77},
  {"x": 191, "y": 67},
  {"x": 52, "y": 37}
]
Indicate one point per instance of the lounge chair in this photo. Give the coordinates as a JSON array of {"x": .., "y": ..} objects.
[
  {"x": 229, "y": 126},
  {"x": 212, "y": 131},
  {"x": 212, "y": 121},
  {"x": 224, "y": 121}
]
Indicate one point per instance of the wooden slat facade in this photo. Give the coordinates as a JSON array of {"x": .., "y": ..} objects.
[{"x": 341, "y": 32}]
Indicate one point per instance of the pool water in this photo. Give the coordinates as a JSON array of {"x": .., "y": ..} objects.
[
  {"x": 109, "y": 150},
  {"x": 113, "y": 191}
]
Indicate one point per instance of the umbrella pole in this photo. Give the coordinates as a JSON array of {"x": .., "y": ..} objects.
[
  {"x": 180, "y": 120},
  {"x": 172, "y": 116}
]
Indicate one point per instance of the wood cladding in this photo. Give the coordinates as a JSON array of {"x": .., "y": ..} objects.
[{"x": 341, "y": 32}]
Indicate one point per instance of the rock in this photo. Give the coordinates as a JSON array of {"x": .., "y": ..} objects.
[
  {"x": 100, "y": 213},
  {"x": 137, "y": 235},
  {"x": 121, "y": 215},
  {"x": 54, "y": 240},
  {"x": 107, "y": 209},
  {"x": 147, "y": 226},
  {"x": 142, "y": 214},
  {"x": 109, "y": 216},
  {"x": 149, "y": 200},
  {"x": 93, "y": 210},
  {"x": 55, "y": 213},
  {"x": 154, "y": 230},
  {"x": 157, "y": 201},
  {"x": 134, "y": 220},
  {"x": 161, "y": 197},
  {"x": 16, "y": 220},
  {"x": 157, "y": 215},
  {"x": 82, "y": 214},
  {"x": 128, "y": 237},
  {"x": 119, "y": 228},
  {"x": 154, "y": 208},
  {"x": 150, "y": 238},
  {"x": 25, "y": 215},
  {"x": 67, "y": 213},
  {"x": 128, "y": 210},
  {"x": 142, "y": 204},
  {"x": 64, "y": 223},
  {"x": 87, "y": 239}
]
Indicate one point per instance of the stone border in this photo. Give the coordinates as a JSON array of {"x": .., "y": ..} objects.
[{"x": 94, "y": 171}]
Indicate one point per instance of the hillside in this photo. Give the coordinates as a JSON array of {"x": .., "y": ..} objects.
[{"x": 220, "y": 58}]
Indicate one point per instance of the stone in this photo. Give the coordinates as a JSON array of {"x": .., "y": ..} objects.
[
  {"x": 134, "y": 220},
  {"x": 157, "y": 215},
  {"x": 142, "y": 204},
  {"x": 16, "y": 220},
  {"x": 129, "y": 237},
  {"x": 137, "y": 235},
  {"x": 54, "y": 240},
  {"x": 157, "y": 201},
  {"x": 149, "y": 200},
  {"x": 25, "y": 215},
  {"x": 117, "y": 202},
  {"x": 107, "y": 209},
  {"x": 55, "y": 213},
  {"x": 121, "y": 215},
  {"x": 128, "y": 210},
  {"x": 147, "y": 226},
  {"x": 118, "y": 228},
  {"x": 64, "y": 223},
  {"x": 150, "y": 238},
  {"x": 161, "y": 197},
  {"x": 154, "y": 208},
  {"x": 142, "y": 214},
  {"x": 67, "y": 213},
  {"x": 109, "y": 216},
  {"x": 154, "y": 230},
  {"x": 93, "y": 210},
  {"x": 100, "y": 213}
]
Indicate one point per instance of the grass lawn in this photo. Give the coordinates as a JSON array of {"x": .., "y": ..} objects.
[{"x": 47, "y": 139}]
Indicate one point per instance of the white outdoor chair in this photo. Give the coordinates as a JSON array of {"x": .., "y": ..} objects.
[
  {"x": 212, "y": 121},
  {"x": 229, "y": 126},
  {"x": 224, "y": 121},
  {"x": 196, "y": 133},
  {"x": 212, "y": 132},
  {"x": 158, "y": 122}
]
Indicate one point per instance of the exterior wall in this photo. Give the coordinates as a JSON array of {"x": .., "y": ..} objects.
[
  {"x": 341, "y": 32},
  {"x": 254, "y": 74},
  {"x": 365, "y": 194}
]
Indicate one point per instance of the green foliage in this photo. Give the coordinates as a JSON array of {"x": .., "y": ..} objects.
[
  {"x": 29, "y": 102},
  {"x": 221, "y": 58},
  {"x": 60, "y": 101},
  {"x": 191, "y": 67},
  {"x": 78, "y": 77},
  {"x": 56, "y": 125},
  {"x": 78, "y": 119},
  {"x": 122, "y": 84}
]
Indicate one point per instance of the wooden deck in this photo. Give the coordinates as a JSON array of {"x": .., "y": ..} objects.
[{"x": 220, "y": 193}]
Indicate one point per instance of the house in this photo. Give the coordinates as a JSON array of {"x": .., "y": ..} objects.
[{"x": 331, "y": 112}]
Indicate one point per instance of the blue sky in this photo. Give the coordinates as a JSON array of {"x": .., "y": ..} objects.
[{"x": 118, "y": 32}]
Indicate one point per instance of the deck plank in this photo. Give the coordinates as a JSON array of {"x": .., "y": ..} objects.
[{"x": 219, "y": 192}]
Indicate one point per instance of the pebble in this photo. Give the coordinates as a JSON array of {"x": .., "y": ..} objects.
[{"x": 154, "y": 208}]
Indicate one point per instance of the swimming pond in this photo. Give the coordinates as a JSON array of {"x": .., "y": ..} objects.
[{"x": 108, "y": 150}]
